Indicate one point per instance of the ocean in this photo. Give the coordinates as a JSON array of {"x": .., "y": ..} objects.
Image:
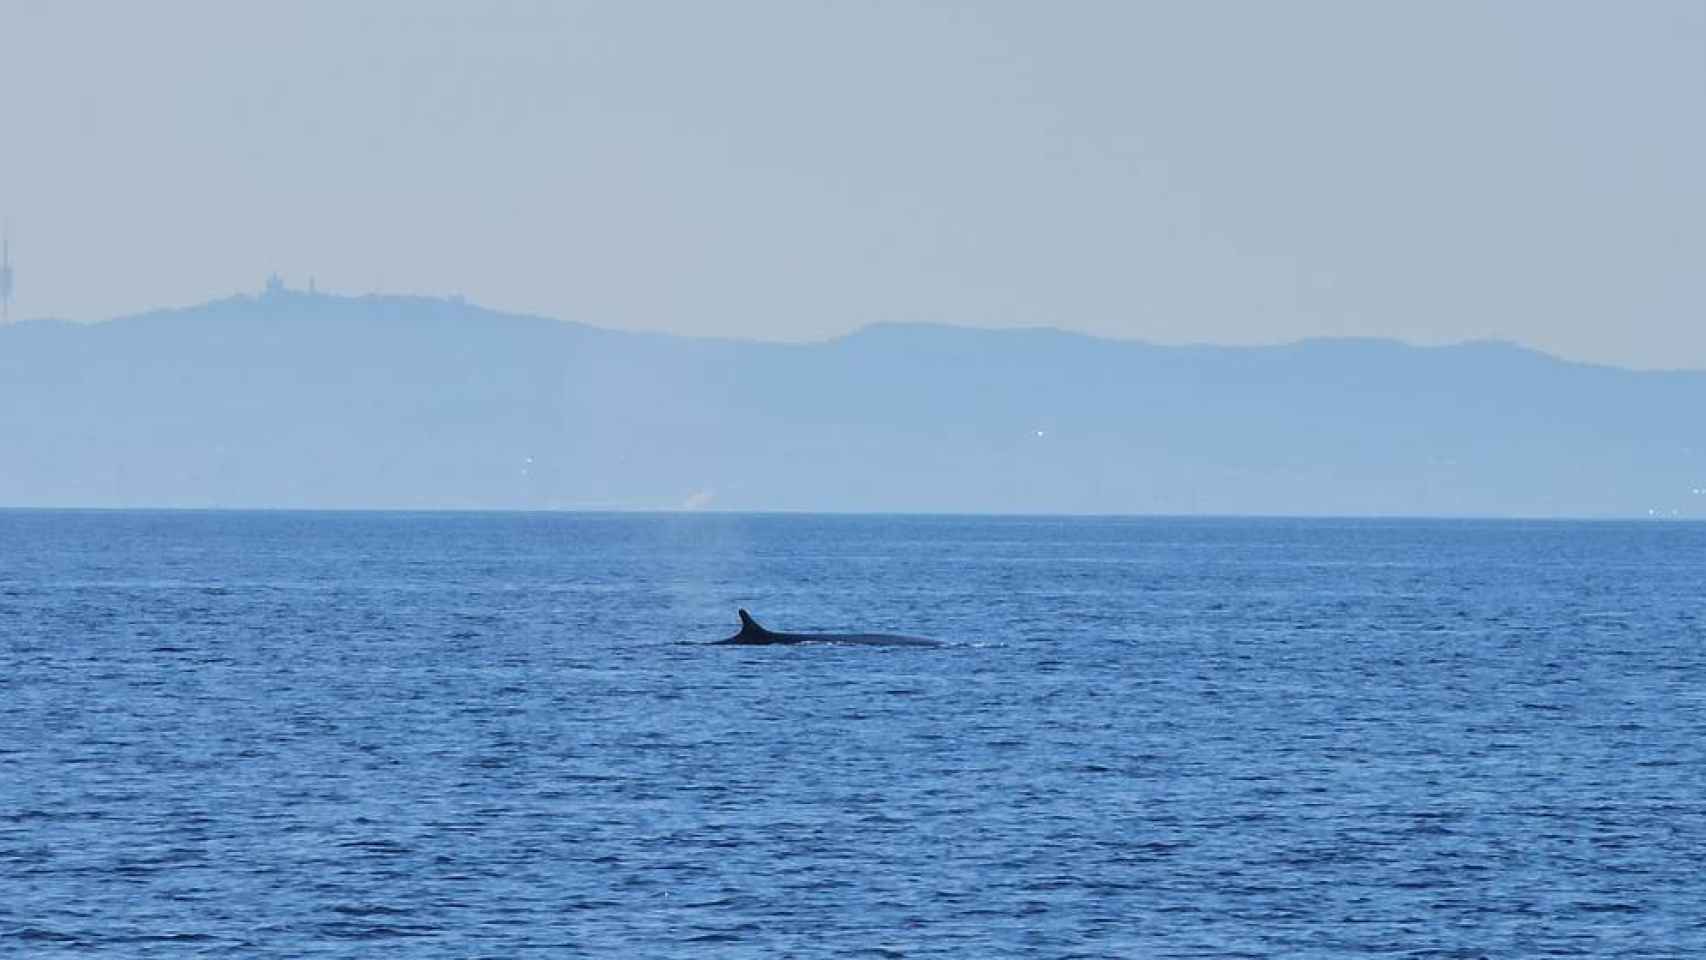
[{"x": 288, "y": 734}]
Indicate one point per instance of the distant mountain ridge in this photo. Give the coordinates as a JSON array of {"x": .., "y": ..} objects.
[{"x": 292, "y": 399}]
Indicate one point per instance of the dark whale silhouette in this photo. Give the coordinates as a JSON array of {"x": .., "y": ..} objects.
[{"x": 753, "y": 634}]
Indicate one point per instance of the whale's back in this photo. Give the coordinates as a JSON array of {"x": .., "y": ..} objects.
[{"x": 753, "y": 633}]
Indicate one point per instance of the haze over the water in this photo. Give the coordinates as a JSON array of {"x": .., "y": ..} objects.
[{"x": 1224, "y": 172}]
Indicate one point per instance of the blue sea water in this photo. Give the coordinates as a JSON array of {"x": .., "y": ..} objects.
[{"x": 355, "y": 735}]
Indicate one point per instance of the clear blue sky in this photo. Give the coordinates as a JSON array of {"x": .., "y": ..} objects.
[{"x": 1218, "y": 171}]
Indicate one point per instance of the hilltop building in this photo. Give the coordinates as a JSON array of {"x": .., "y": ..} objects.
[{"x": 5, "y": 275}]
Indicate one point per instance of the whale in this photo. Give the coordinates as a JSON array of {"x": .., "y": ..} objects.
[{"x": 754, "y": 634}]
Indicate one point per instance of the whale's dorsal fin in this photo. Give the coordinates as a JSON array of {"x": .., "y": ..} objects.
[{"x": 749, "y": 625}]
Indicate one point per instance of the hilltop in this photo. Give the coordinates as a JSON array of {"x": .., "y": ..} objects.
[{"x": 290, "y": 399}]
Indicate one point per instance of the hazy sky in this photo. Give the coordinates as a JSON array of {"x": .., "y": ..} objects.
[{"x": 1185, "y": 171}]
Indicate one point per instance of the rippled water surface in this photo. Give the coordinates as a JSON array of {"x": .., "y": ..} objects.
[{"x": 349, "y": 735}]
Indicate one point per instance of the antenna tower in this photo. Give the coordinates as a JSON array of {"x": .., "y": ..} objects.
[{"x": 6, "y": 273}]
